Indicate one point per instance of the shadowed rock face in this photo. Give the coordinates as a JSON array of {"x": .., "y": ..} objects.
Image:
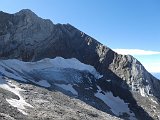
[{"x": 26, "y": 36}]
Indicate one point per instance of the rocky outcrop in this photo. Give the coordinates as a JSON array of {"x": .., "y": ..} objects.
[{"x": 135, "y": 75}]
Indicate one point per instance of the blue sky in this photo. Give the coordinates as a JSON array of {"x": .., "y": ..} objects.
[{"x": 119, "y": 24}]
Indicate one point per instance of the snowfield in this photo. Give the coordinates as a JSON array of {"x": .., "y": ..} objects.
[{"x": 14, "y": 67}]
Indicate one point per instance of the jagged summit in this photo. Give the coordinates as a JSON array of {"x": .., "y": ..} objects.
[
  {"x": 27, "y": 37},
  {"x": 26, "y": 11},
  {"x": 30, "y": 14}
]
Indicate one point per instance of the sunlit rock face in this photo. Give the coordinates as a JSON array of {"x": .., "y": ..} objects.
[{"x": 27, "y": 37}]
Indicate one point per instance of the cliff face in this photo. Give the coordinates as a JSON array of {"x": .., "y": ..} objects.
[{"x": 27, "y": 37}]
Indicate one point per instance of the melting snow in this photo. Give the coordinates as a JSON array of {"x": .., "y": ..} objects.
[
  {"x": 108, "y": 80},
  {"x": 68, "y": 87},
  {"x": 17, "y": 66},
  {"x": 19, "y": 104},
  {"x": 154, "y": 101},
  {"x": 117, "y": 105},
  {"x": 144, "y": 91},
  {"x": 43, "y": 83},
  {"x": 75, "y": 64}
]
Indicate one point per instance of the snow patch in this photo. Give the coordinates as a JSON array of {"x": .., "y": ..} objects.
[
  {"x": 154, "y": 101},
  {"x": 19, "y": 104},
  {"x": 67, "y": 87},
  {"x": 144, "y": 91},
  {"x": 43, "y": 83},
  {"x": 108, "y": 80},
  {"x": 117, "y": 105}
]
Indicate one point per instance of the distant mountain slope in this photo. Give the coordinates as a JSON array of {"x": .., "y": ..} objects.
[{"x": 27, "y": 37}]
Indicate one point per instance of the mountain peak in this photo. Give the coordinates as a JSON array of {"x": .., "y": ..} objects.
[
  {"x": 28, "y": 14},
  {"x": 26, "y": 11}
]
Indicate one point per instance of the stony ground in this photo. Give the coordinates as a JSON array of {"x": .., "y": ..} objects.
[
  {"x": 150, "y": 105},
  {"x": 48, "y": 105}
]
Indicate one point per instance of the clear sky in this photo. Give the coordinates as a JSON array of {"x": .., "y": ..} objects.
[{"x": 119, "y": 24}]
